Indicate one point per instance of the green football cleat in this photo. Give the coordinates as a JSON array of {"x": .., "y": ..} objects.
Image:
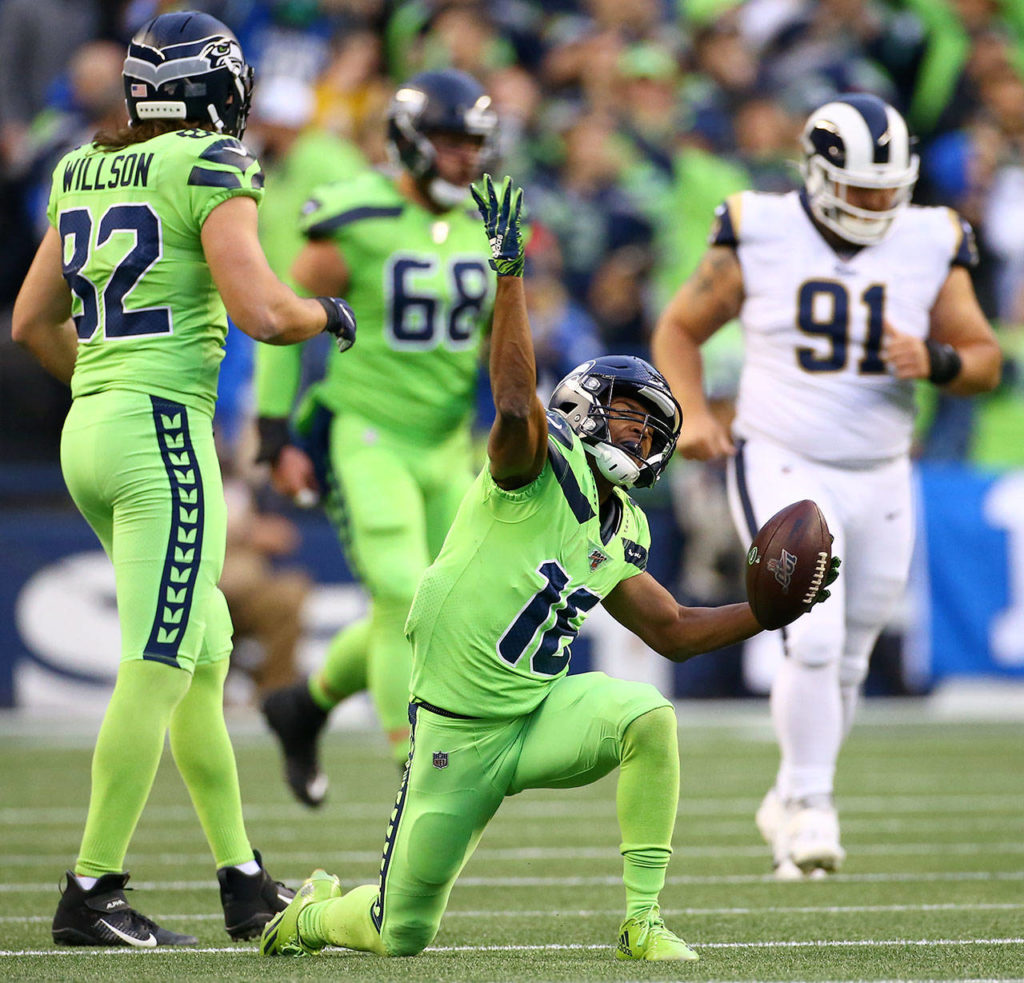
[
  {"x": 281, "y": 936},
  {"x": 645, "y": 937}
]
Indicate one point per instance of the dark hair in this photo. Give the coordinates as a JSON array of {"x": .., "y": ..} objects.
[{"x": 127, "y": 136}]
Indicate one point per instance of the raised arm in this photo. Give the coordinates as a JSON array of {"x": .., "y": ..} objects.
[
  {"x": 712, "y": 296},
  {"x": 517, "y": 445}
]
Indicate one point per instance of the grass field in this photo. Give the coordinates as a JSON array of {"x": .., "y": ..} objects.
[{"x": 933, "y": 888}]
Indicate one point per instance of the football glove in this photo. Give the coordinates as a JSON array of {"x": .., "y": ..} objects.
[
  {"x": 500, "y": 208},
  {"x": 830, "y": 578},
  {"x": 341, "y": 321},
  {"x": 273, "y": 436}
]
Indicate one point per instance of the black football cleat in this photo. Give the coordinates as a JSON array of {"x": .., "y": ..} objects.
[
  {"x": 102, "y": 916},
  {"x": 250, "y": 900},
  {"x": 297, "y": 721}
]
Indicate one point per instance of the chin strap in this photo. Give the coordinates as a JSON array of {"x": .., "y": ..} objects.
[
  {"x": 614, "y": 463},
  {"x": 446, "y": 194}
]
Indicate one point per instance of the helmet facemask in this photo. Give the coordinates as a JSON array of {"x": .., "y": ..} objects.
[
  {"x": 585, "y": 398},
  {"x": 827, "y": 189}
]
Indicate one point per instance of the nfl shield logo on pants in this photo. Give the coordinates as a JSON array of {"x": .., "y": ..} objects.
[{"x": 440, "y": 759}]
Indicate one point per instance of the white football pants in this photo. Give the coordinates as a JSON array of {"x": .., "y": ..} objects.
[{"x": 869, "y": 511}]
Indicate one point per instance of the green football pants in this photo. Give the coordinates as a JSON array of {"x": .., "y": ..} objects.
[
  {"x": 144, "y": 472},
  {"x": 392, "y": 503},
  {"x": 460, "y": 771}
]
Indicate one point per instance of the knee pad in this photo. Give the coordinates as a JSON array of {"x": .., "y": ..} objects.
[
  {"x": 654, "y": 729},
  {"x": 813, "y": 651}
]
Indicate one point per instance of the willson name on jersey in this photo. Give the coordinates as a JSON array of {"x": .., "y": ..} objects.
[{"x": 111, "y": 171}]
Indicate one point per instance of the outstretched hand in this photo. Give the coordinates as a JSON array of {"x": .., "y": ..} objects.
[{"x": 500, "y": 208}]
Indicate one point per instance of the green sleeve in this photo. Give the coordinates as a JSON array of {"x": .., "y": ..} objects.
[{"x": 224, "y": 169}]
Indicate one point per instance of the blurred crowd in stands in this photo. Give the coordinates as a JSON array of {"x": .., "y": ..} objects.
[{"x": 627, "y": 121}]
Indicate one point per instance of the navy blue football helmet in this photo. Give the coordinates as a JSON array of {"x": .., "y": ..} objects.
[
  {"x": 856, "y": 141},
  {"x": 447, "y": 101},
  {"x": 188, "y": 66},
  {"x": 584, "y": 398}
]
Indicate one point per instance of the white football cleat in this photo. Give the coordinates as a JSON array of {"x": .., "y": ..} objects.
[
  {"x": 769, "y": 816},
  {"x": 786, "y": 870},
  {"x": 810, "y": 838}
]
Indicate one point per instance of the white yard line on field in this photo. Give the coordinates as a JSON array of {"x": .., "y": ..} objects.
[
  {"x": 926, "y": 803},
  {"x": 521, "y": 854},
  {"x": 615, "y": 912},
  {"x": 554, "y": 947},
  {"x": 614, "y": 880}
]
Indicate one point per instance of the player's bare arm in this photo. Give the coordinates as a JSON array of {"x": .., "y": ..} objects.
[
  {"x": 517, "y": 444},
  {"x": 711, "y": 297},
  {"x": 41, "y": 319},
  {"x": 679, "y": 633},
  {"x": 321, "y": 269},
  {"x": 961, "y": 352},
  {"x": 255, "y": 299}
]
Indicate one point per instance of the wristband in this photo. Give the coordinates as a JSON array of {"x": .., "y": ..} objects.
[
  {"x": 273, "y": 434},
  {"x": 944, "y": 362}
]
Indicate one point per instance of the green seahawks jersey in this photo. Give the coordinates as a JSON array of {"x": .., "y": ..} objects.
[
  {"x": 495, "y": 614},
  {"x": 422, "y": 290},
  {"x": 148, "y": 315}
]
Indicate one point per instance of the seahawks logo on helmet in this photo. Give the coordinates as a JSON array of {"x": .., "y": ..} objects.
[
  {"x": 188, "y": 66},
  {"x": 224, "y": 52}
]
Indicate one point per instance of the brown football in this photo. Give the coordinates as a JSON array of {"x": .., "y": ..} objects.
[{"x": 787, "y": 564}]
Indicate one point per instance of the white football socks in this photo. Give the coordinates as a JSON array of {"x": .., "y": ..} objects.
[{"x": 808, "y": 718}]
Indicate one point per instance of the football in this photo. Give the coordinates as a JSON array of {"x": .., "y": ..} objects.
[{"x": 787, "y": 564}]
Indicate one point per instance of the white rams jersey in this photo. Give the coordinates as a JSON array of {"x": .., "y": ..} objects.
[{"x": 813, "y": 377}]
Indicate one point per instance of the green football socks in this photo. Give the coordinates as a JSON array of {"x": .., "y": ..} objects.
[
  {"x": 125, "y": 760},
  {"x": 344, "y": 670},
  {"x": 372, "y": 653},
  {"x": 344, "y": 921},
  {"x": 204, "y": 756},
  {"x": 646, "y": 801}
]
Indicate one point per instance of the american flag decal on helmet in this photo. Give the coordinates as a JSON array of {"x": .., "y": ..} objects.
[{"x": 138, "y": 90}]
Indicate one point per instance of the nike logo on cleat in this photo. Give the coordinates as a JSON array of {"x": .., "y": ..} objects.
[
  {"x": 147, "y": 943},
  {"x": 283, "y": 898}
]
